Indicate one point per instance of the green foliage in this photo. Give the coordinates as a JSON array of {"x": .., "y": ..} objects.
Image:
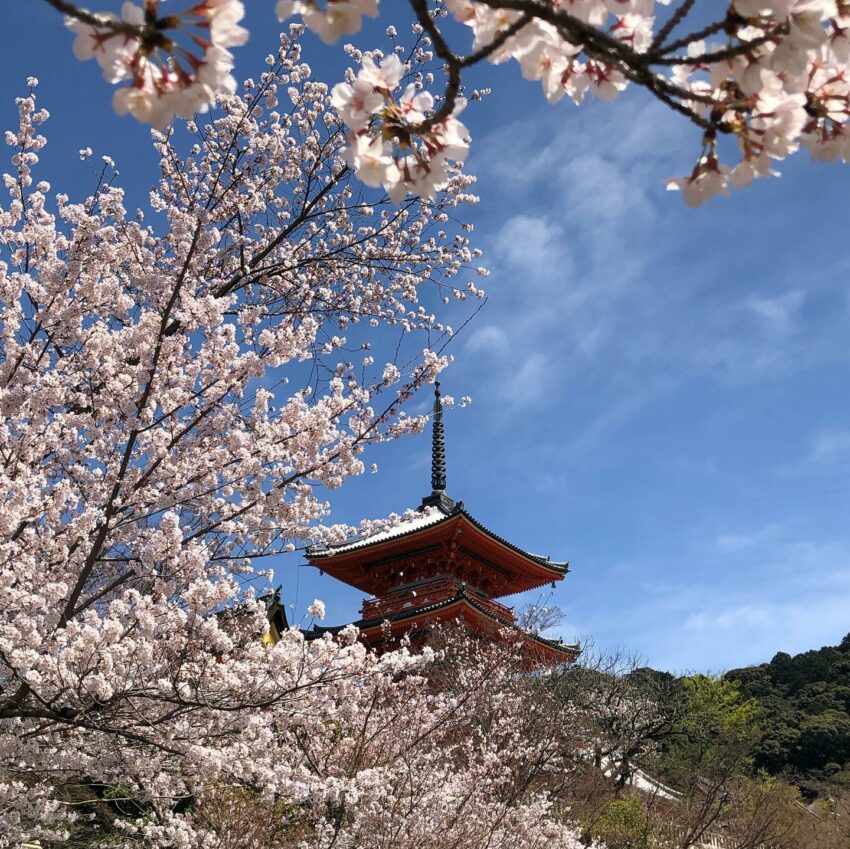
[
  {"x": 805, "y": 710},
  {"x": 623, "y": 823},
  {"x": 719, "y": 702},
  {"x": 714, "y": 734}
]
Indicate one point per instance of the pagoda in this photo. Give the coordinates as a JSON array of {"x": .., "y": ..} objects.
[{"x": 442, "y": 565}]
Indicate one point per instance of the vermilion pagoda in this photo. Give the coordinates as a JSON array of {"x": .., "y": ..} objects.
[{"x": 443, "y": 565}]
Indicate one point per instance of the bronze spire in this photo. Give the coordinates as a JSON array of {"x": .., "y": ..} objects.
[
  {"x": 438, "y": 497},
  {"x": 438, "y": 445}
]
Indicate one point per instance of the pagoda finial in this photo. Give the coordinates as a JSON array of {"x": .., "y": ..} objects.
[
  {"x": 438, "y": 444},
  {"x": 438, "y": 497}
]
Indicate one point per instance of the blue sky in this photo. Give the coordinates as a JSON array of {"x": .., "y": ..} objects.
[{"x": 660, "y": 395}]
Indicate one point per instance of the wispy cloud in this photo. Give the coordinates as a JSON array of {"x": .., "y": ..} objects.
[
  {"x": 778, "y": 315},
  {"x": 735, "y": 542},
  {"x": 533, "y": 246},
  {"x": 755, "y": 632},
  {"x": 827, "y": 453},
  {"x": 831, "y": 445},
  {"x": 746, "y": 616},
  {"x": 527, "y": 381},
  {"x": 569, "y": 266},
  {"x": 691, "y": 465},
  {"x": 729, "y": 604},
  {"x": 489, "y": 339},
  {"x": 646, "y": 362},
  {"x": 597, "y": 431}
]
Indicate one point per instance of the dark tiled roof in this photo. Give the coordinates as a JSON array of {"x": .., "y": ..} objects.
[
  {"x": 562, "y": 567},
  {"x": 461, "y": 595}
]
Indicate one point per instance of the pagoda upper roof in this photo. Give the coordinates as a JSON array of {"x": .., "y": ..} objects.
[
  {"x": 424, "y": 519},
  {"x": 442, "y": 536},
  {"x": 521, "y": 570},
  {"x": 406, "y": 527}
]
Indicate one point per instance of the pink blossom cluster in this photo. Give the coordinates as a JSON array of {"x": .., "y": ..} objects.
[
  {"x": 769, "y": 76},
  {"x": 463, "y": 764},
  {"x": 774, "y": 79},
  {"x": 166, "y": 76},
  {"x": 180, "y": 385},
  {"x": 545, "y": 55},
  {"x": 385, "y": 148},
  {"x": 331, "y": 20},
  {"x": 784, "y": 93}
]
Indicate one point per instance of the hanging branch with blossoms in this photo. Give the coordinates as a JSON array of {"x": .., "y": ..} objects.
[
  {"x": 770, "y": 75},
  {"x": 174, "y": 64}
]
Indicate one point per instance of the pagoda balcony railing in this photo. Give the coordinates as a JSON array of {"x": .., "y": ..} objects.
[{"x": 427, "y": 593}]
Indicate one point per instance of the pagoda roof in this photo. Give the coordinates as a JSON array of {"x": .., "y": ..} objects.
[
  {"x": 346, "y": 560},
  {"x": 403, "y": 528},
  {"x": 376, "y": 629},
  {"x": 425, "y": 519}
]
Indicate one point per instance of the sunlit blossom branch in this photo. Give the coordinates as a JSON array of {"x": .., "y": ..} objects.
[
  {"x": 776, "y": 80},
  {"x": 772, "y": 60}
]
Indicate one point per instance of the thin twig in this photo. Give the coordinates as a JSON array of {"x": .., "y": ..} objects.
[
  {"x": 665, "y": 31},
  {"x": 86, "y": 17}
]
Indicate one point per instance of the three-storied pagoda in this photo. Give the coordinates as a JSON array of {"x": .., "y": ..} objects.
[{"x": 443, "y": 565}]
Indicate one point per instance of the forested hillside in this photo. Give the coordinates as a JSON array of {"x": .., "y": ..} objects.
[
  {"x": 805, "y": 714},
  {"x": 758, "y": 756}
]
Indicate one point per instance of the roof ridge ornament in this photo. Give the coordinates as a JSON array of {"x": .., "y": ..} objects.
[{"x": 438, "y": 497}]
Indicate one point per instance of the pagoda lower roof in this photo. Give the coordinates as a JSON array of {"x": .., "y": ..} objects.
[
  {"x": 344, "y": 560},
  {"x": 377, "y": 630}
]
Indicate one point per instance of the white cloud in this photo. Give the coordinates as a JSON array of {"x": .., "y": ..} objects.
[
  {"x": 596, "y": 270},
  {"x": 725, "y": 619},
  {"x": 734, "y": 542},
  {"x": 778, "y": 315},
  {"x": 568, "y": 265},
  {"x": 490, "y": 339},
  {"x": 706, "y": 610},
  {"x": 754, "y": 632},
  {"x": 831, "y": 445},
  {"x": 706, "y": 467},
  {"x": 597, "y": 431},
  {"x": 526, "y": 382},
  {"x": 637, "y": 133},
  {"x": 828, "y": 452},
  {"x": 604, "y": 191},
  {"x": 534, "y": 247}
]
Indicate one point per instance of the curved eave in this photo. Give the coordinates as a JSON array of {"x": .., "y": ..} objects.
[
  {"x": 374, "y": 631},
  {"x": 352, "y": 549},
  {"x": 349, "y": 563},
  {"x": 528, "y": 571},
  {"x": 404, "y": 616},
  {"x": 557, "y": 567},
  {"x": 345, "y": 561}
]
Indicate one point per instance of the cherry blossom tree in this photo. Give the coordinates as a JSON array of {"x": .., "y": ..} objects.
[
  {"x": 758, "y": 78},
  {"x": 177, "y": 387}
]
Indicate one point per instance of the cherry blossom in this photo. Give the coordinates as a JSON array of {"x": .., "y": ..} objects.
[
  {"x": 166, "y": 77},
  {"x": 777, "y": 82},
  {"x": 747, "y": 77},
  {"x": 163, "y": 434},
  {"x": 383, "y": 121},
  {"x": 332, "y": 19},
  {"x": 317, "y": 609}
]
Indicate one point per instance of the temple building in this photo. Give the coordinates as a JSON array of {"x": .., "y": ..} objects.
[{"x": 440, "y": 566}]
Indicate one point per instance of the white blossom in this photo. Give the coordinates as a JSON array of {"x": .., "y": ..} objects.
[
  {"x": 317, "y": 609},
  {"x": 154, "y": 472}
]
